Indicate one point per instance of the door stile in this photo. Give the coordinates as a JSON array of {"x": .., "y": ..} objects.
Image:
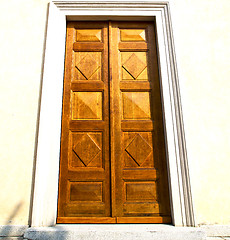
[
  {"x": 65, "y": 120},
  {"x": 159, "y": 141},
  {"x": 115, "y": 118},
  {"x": 111, "y": 119}
]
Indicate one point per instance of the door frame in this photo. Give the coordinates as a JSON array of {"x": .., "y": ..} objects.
[{"x": 44, "y": 204}]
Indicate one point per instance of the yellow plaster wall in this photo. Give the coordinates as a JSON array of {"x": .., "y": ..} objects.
[
  {"x": 22, "y": 25},
  {"x": 202, "y": 36},
  {"x": 201, "y": 31}
]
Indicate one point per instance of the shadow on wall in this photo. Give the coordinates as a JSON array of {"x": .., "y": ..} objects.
[
  {"x": 38, "y": 117},
  {"x": 10, "y": 231},
  {"x": 18, "y": 231}
]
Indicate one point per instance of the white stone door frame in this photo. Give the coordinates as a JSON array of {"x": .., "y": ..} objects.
[{"x": 44, "y": 210}]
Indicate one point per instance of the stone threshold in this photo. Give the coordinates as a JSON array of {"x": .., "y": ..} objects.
[
  {"x": 12, "y": 232},
  {"x": 114, "y": 232}
]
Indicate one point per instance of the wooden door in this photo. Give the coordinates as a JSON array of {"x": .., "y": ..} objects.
[
  {"x": 84, "y": 185},
  {"x": 112, "y": 164},
  {"x": 137, "y": 140}
]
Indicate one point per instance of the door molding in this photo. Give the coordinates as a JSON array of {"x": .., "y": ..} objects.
[{"x": 44, "y": 210}]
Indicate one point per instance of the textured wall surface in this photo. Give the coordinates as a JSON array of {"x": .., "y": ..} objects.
[
  {"x": 201, "y": 32},
  {"x": 202, "y": 49},
  {"x": 22, "y": 25}
]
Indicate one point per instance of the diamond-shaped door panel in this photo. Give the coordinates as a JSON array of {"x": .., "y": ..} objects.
[
  {"x": 87, "y": 66},
  {"x": 86, "y": 149},
  {"x": 134, "y": 65},
  {"x": 138, "y": 151}
]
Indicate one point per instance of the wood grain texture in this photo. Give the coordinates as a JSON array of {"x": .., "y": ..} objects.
[
  {"x": 86, "y": 105},
  {"x": 86, "y": 149},
  {"x": 113, "y": 161},
  {"x": 87, "y": 66},
  {"x": 136, "y": 108},
  {"x": 144, "y": 220},
  {"x": 86, "y": 191},
  {"x": 88, "y": 35},
  {"x": 136, "y": 105},
  {"x": 134, "y": 66},
  {"x": 145, "y": 191},
  {"x": 88, "y": 47},
  {"x": 133, "y": 35},
  {"x": 133, "y": 46},
  {"x": 86, "y": 220},
  {"x": 84, "y": 185}
]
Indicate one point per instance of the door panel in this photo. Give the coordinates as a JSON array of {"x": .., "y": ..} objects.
[
  {"x": 112, "y": 164},
  {"x": 137, "y": 127},
  {"x": 84, "y": 189}
]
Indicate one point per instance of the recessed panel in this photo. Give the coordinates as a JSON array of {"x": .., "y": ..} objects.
[
  {"x": 86, "y": 105},
  {"x": 86, "y": 149},
  {"x": 86, "y": 191},
  {"x": 141, "y": 192},
  {"x": 136, "y": 105},
  {"x": 141, "y": 209},
  {"x": 138, "y": 150},
  {"x": 87, "y": 66},
  {"x": 132, "y": 35},
  {"x": 88, "y": 35},
  {"x": 134, "y": 66},
  {"x": 85, "y": 209}
]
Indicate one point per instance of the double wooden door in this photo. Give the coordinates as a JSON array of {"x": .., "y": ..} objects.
[{"x": 112, "y": 164}]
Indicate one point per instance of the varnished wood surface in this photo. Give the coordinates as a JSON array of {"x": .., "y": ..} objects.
[
  {"x": 132, "y": 35},
  {"x": 86, "y": 220},
  {"x": 125, "y": 47},
  {"x": 87, "y": 86},
  {"x": 137, "y": 135},
  {"x": 144, "y": 220},
  {"x": 88, "y": 47},
  {"x": 135, "y": 86},
  {"x": 113, "y": 161},
  {"x": 115, "y": 220},
  {"x": 84, "y": 185}
]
